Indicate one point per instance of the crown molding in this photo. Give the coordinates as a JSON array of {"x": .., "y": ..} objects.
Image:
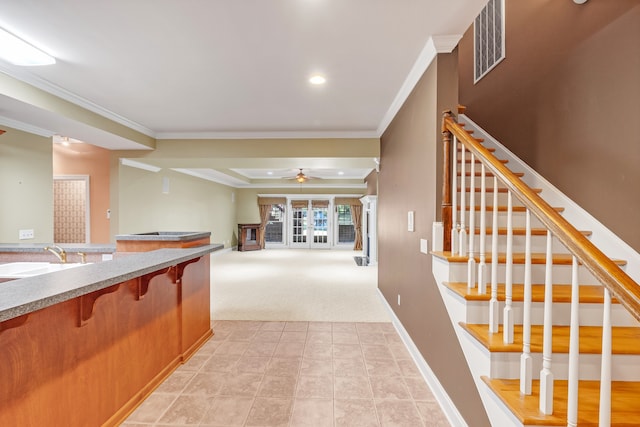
[
  {"x": 61, "y": 93},
  {"x": 268, "y": 135},
  {"x": 25, "y": 127},
  {"x": 435, "y": 45}
]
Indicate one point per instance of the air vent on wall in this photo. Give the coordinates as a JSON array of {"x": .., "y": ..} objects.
[{"x": 488, "y": 29}]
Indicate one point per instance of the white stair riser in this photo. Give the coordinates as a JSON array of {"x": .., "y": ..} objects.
[
  {"x": 517, "y": 218},
  {"x": 538, "y": 244},
  {"x": 624, "y": 367},
  {"x": 590, "y": 314},
  {"x": 561, "y": 274}
]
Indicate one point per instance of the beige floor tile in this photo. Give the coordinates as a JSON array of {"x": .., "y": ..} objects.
[
  {"x": 242, "y": 335},
  {"x": 244, "y": 385},
  {"x": 316, "y": 367},
  {"x": 223, "y": 363},
  {"x": 399, "y": 351},
  {"x": 408, "y": 368},
  {"x": 204, "y": 384},
  {"x": 152, "y": 408},
  {"x": 372, "y": 338},
  {"x": 345, "y": 338},
  {"x": 261, "y": 349},
  {"x": 382, "y": 368},
  {"x": 319, "y": 337},
  {"x": 312, "y": 413},
  {"x": 187, "y": 410},
  {"x": 432, "y": 414},
  {"x": 398, "y": 413},
  {"x": 355, "y": 413},
  {"x": 344, "y": 327},
  {"x": 231, "y": 348},
  {"x": 296, "y": 326},
  {"x": 289, "y": 349},
  {"x": 349, "y": 367},
  {"x": 315, "y": 387},
  {"x": 277, "y": 386},
  {"x": 376, "y": 351},
  {"x": 267, "y": 335},
  {"x": 352, "y": 388},
  {"x": 195, "y": 363},
  {"x": 252, "y": 365},
  {"x": 389, "y": 388},
  {"x": 270, "y": 412},
  {"x": 175, "y": 383},
  {"x": 320, "y": 351},
  {"x": 319, "y": 326},
  {"x": 419, "y": 389},
  {"x": 367, "y": 327},
  {"x": 227, "y": 411},
  {"x": 272, "y": 326},
  {"x": 284, "y": 366},
  {"x": 293, "y": 336},
  {"x": 347, "y": 351},
  {"x": 392, "y": 338}
]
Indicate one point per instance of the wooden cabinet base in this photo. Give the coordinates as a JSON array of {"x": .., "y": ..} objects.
[{"x": 56, "y": 370}]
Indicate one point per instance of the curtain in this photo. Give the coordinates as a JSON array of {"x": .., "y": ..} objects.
[
  {"x": 319, "y": 203},
  {"x": 264, "y": 217},
  {"x": 356, "y": 217},
  {"x": 299, "y": 203},
  {"x": 346, "y": 201},
  {"x": 264, "y": 203}
]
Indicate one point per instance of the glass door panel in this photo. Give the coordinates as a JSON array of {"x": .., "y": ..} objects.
[
  {"x": 320, "y": 227},
  {"x": 299, "y": 227}
]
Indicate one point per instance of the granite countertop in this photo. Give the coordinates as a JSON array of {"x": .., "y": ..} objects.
[
  {"x": 22, "y": 296},
  {"x": 106, "y": 248},
  {"x": 165, "y": 236}
]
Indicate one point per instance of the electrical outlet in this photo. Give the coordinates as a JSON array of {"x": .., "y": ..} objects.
[
  {"x": 398, "y": 299},
  {"x": 25, "y": 234}
]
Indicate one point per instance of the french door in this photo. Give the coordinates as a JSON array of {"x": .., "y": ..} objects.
[{"x": 310, "y": 224}]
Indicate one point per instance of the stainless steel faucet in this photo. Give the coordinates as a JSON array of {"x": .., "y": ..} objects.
[{"x": 58, "y": 252}]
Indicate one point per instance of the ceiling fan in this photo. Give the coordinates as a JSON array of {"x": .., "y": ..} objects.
[{"x": 301, "y": 177}]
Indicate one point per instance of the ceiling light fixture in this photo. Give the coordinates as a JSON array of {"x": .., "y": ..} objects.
[
  {"x": 19, "y": 52},
  {"x": 341, "y": 173},
  {"x": 317, "y": 80}
]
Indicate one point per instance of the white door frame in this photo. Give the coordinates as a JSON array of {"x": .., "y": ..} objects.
[{"x": 310, "y": 224}]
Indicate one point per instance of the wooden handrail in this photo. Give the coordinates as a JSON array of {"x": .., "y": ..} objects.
[{"x": 623, "y": 287}]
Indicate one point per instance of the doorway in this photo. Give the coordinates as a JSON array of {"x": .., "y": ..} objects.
[
  {"x": 71, "y": 210},
  {"x": 310, "y": 224}
]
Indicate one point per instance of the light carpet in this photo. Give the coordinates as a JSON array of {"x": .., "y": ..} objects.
[{"x": 294, "y": 285}]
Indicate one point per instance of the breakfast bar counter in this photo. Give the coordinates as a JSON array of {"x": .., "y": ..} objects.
[{"x": 85, "y": 346}]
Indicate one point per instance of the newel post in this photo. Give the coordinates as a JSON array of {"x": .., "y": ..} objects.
[{"x": 446, "y": 183}]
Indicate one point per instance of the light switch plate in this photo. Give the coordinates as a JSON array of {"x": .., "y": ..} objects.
[
  {"x": 424, "y": 246},
  {"x": 410, "y": 221}
]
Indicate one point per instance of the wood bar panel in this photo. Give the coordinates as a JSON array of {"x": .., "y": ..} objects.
[{"x": 54, "y": 372}]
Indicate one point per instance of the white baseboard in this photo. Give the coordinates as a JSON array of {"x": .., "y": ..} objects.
[
  {"x": 449, "y": 409},
  {"x": 221, "y": 251}
]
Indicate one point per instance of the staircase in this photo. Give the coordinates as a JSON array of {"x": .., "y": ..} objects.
[{"x": 530, "y": 296}]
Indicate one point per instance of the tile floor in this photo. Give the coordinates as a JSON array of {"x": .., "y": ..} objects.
[{"x": 254, "y": 373}]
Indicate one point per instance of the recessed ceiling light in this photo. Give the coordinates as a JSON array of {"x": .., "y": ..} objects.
[
  {"x": 19, "y": 52},
  {"x": 317, "y": 79},
  {"x": 340, "y": 173},
  {"x": 269, "y": 173}
]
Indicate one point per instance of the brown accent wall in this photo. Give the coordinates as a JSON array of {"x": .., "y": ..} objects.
[
  {"x": 566, "y": 100},
  {"x": 86, "y": 159},
  {"x": 408, "y": 182}
]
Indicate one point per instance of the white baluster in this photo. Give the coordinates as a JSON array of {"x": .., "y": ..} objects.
[
  {"x": 493, "y": 302},
  {"x": 605, "y": 369},
  {"x": 482, "y": 267},
  {"x": 471, "y": 263},
  {"x": 462, "y": 235},
  {"x": 454, "y": 199},
  {"x": 508, "y": 320},
  {"x": 574, "y": 348},
  {"x": 526, "y": 363},
  {"x": 546, "y": 376}
]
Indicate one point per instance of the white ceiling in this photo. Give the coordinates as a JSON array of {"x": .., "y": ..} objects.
[{"x": 230, "y": 68}]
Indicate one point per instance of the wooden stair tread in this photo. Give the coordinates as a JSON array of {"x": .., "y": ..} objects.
[
  {"x": 518, "y": 258},
  {"x": 488, "y": 174},
  {"x": 521, "y": 231},
  {"x": 624, "y": 398},
  {"x": 589, "y": 294},
  {"x": 625, "y": 339},
  {"x": 504, "y": 208},
  {"x": 500, "y": 190},
  {"x": 468, "y": 160}
]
